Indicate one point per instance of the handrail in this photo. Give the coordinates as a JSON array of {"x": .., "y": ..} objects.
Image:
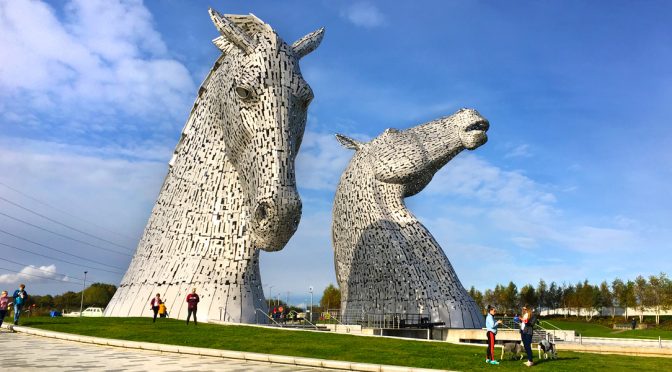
[
  {"x": 308, "y": 321},
  {"x": 551, "y": 324},
  {"x": 266, "y": 315},
  {"x": 347, "y": 329}
]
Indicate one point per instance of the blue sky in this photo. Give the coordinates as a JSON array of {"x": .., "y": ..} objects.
[{"x": 573, "y": 183}]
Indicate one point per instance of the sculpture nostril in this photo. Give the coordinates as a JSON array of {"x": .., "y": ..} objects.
[{"x": 262, "y": 211}]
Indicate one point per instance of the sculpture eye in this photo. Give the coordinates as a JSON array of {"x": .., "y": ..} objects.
[{"x": 243, "y": 93}]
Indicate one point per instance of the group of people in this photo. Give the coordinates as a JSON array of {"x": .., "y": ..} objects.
[
  {"x": 526, "y": 322},
  {"x": 158, "y": 306},
  {"x": 18, "y": 300}
]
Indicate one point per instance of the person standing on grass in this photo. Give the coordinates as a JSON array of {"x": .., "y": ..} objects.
[
  {"x": 491, "y": 330},
  {"x": 155, "y": 304},
  {"x": 527, "y": 331},
  {"x": 192, "y": 301},
  {"x": 4, "y": 302},
  {"x": 20, "y": 297}
]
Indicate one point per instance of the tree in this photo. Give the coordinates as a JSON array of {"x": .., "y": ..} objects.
[
  {"x": 542, "y": 295},
  {"x": 499, "y": 298},
  {"x": 588, "y": 298},
  {"x": 607, "y": 298},
  {"x": 554, "y": 296},
  {"x": 641, "y": 295},
  {"x": 477, "y": 296},
  {"x": 568, "y": 297},
  {"x": 67, "y": 301},
  {"x": 489, "y": 298},
  {"x": 659, "y": 287},
  {"x": 528, "y": 296},
  {"x": 629, "y": 296},
  {"x": 99, "y": 294},
  {"x": 510, "y": 297},
  {"x": 331, "y": 298}
]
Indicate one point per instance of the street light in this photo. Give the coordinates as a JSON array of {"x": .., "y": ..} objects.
[
  {"x": 310, "y": 289},
  {"x": 270, "y": 294},
  {"x": 81, "y": 305}
]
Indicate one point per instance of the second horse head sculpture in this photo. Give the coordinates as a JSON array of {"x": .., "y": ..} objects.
[{"x": 387, "y": 262}]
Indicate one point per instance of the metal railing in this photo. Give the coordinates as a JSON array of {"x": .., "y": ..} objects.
[
  {"x": 333, "y": 317},
  {"x": 539, "y": 333},
  {"x": 258, "y": 310}
]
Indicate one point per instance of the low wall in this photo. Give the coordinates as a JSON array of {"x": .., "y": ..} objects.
[{"x": 469, "y": 335}]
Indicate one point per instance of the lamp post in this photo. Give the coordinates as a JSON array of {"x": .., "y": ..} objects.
[
  {"x": 310, "y": 289},
  {"x": 81, "y": 305},
  {"x": 270, "y": 295}
]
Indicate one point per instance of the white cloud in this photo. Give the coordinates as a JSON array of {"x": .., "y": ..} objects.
[
  {"x": 364, "y": 14},
  {"x": 100, "y": 184},
  {"x": 473, "y": 177},
  {"x": 520, "y": 151},
  {"x": 34, "y": 275},
  {"x": 104, "y": 57},
  {"x": 516, "y": 206}
]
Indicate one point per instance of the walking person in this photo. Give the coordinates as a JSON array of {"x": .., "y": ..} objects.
[
  {"x": 192, "y": 301},
  {"x": 526, "y": 332},
  {"x": 491, "y": 330},
  {"x": 20, "y": 297},
  {"x": 4, "y": 302},
  {"x": 155, "y": 305}
]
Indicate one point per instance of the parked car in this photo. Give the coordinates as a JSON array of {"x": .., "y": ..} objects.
[{"x": 90, "y": 312}]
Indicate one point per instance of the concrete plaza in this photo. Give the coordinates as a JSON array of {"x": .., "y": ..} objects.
[{"x": 23, "y": 352}]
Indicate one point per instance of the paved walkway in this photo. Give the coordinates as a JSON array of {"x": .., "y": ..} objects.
[{"x": 22, "y": 352}]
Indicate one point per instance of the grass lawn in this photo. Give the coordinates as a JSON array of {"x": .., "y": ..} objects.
[
  {"x": 327, "y": 345},
  {"x": 598, "y": 330}
]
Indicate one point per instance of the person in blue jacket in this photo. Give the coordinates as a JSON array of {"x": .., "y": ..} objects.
[
  {"x": 491, "y": 330},
  {"x": 20, "y": 298}
]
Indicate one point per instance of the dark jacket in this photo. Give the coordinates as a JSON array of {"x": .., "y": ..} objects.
[
  {"x": 17, "y": 297},
  {"x": 529, "y": 327},
  {"x": 192, "y": 300}
]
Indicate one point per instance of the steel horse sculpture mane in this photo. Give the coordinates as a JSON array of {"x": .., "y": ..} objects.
[
  {"x": 386, "y": 260},
  {"x": 230, "y": 188}
]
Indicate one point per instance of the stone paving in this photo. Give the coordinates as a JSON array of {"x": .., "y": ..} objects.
[{"x": 22, "y": 352}]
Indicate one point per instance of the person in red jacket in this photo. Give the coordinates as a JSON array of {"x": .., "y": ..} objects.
[
  {"x": 154, "y": 305},
  {"x": 192, "y": 301}
]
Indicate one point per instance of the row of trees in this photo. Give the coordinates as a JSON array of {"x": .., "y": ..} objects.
[
  {"x": 652, "y": 293},
  {"x": 97, "y": 294}
]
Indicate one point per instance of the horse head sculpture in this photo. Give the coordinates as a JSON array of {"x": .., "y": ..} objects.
[
  {"x": 386, "y": 260},
  {"x": 231, "y": 187},
  {"x": 411, "y": 157},
  {"x": 264, "y": 119}
]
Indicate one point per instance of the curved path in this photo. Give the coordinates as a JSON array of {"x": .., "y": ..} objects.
[{"x": 23, "y": 352}]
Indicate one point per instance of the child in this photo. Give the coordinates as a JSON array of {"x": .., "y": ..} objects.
[
  {"x": 162, "y": 310},
  {"x": 4, "y": 302},
  {"x": 491, "y": 331}
]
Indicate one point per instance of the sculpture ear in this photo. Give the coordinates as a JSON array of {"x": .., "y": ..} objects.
[
  {"x": 348, "y": 142},
  {"x": 308, "y": 43},
  {"x": 232, "y": 35}
]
